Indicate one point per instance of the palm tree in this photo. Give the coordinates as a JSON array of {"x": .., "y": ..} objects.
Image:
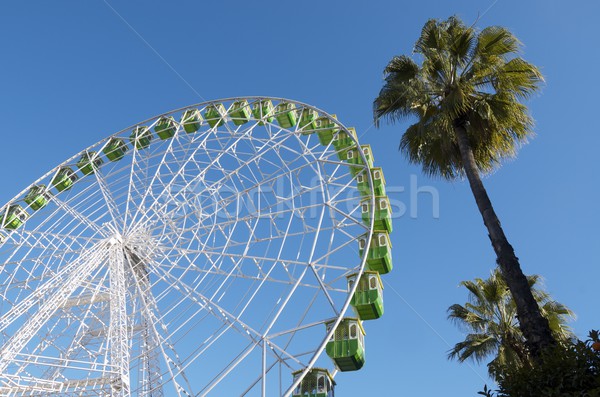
[
  {"x": 466, "y": 98},
  {"x": 490, "y": 317}
]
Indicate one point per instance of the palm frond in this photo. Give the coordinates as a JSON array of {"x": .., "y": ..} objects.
[
  {"x": 496, "y": 41},
  {"x": 465, "y": 75},
  {"x": 461, "y": 41},
  {"x": 402, "y": 94},
  {"x": 518, "y": 77},
  {"x": 423, "y": 143},
  {"x": 401, "y": 68},
  {"x": 476, "y": 347},
  {"x": 433, "y": 38},
  {"x": 467, "y": 320}
]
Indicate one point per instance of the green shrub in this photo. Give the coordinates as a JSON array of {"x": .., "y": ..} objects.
[{"x": 571, "y": 370}]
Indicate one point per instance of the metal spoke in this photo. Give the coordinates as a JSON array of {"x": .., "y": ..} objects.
[{"x": 170, "y": 269}]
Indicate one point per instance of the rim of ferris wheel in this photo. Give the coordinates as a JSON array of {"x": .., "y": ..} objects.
[{"x": 301, "y": 118}]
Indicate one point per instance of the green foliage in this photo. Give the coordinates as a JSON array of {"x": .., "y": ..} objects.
[
  {"x": 490, "y": 318},
  {"x": 593, "y": 336},
  {"x": 571, "y": 370},
  {"x": 474, "y": 79},
  {"x": 486, "y": 392}
]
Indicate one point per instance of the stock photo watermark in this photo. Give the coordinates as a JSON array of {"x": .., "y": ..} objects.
[
  {"x": 284, "y": 197},
  {"x": 423, "y": 197}
]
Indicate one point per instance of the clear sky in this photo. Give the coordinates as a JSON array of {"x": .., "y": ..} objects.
[{"x": 73, "y": 72}]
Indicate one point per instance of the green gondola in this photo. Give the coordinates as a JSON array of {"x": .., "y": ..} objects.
[
  {"x": 13, "y": 217},
  {"x": 3, "y": 238},
  {"x": 141, "y": 137},
  {"x": 383, "y": 213},
  {"x": 165, "y": 127},
  {"x": 347, "y": 347},
  {"x": 379, "y": 257},
  {"x": 326, "y": 128},
  {"x": 307, "y": 121},
  {"x": 240, "y": 112},
  {"x": 343, "y": 140},
  {"x": 317, "y": 382},
  {"x": 37, "y": 197},
  {"x": 362, "y": 182},
  {"x": 115, "y": 149},
  {"x": 353, "y": 157},
  {"x": 64, "y": 179},
  {"x": 367, "y": 301},
  {"x": 263, "y": 111},
  {"x": 191, "y": 120},
  {"x": 89, "y": 162},
  {"x": 215, "y": 115},
  {"x": 286, "y": 114}
]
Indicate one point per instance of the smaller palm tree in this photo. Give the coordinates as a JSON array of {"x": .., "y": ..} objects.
[{"x": 490, "y": 317}]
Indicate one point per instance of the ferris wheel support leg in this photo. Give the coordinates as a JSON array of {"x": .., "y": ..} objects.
[
  {"x": 118, "y": 338},
  {"x": 264, "y": 368},
  {"x": 155, "y": 341},
  {"x": 151, "y": 373},
  {"x": 150, "y": 367},
  {"x": 59, "y": 280},
  {"x": 20, "y": 339}
]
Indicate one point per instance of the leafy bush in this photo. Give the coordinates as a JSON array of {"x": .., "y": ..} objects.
[{"x": 570, "y": 370}]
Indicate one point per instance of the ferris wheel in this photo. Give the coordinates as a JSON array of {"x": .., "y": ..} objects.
[{"x": 218, "y": 249}]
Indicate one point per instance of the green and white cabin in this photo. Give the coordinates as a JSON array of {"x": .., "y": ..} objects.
[
  {"x": 215, "y": 115},
  {"x": 165, "y": 127},
  {"x": 307, "y": 121},
  {"x": 343, "y": 140},
  {"x": 286, "y": 114},
  {"x": 115, "y": 149},
  {"x": 367, "y": 301},
  {"x": 240, "y": 112},
  {"x": 326, "y": 128},
  {"x": 89, "y": 162},
  {"x": 141, "y": 137},
  {"x": 37, "y": 197},
  {"x": 379, "y": 256},
  {"x": 13, "y": 217},
  {"x": 318, "y": 382},
  {"x": 353, "y": 157},
  {"x": 64, "y": 179},
  {"x": 362, "y": 182},
  {"x": 383, "y": 213},
  {"x": 263, "y": 111},
  {"x": 191, "y": 120},
  {"x": 347, "y": 345}
]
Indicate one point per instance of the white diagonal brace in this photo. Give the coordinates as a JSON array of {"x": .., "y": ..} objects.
[{"x": 80, "y": 271}]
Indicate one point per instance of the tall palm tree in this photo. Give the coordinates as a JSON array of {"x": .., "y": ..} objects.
[
  {"x": 466, "y": 96},
  {"x": 490, "y": 317}
]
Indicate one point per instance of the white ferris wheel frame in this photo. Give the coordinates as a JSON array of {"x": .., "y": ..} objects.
[{"x": 111, "y": 250}]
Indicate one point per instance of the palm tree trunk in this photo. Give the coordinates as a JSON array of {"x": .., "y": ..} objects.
[{"x": 534, "y": 326}]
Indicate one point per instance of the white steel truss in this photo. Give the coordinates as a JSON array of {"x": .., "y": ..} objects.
[{"x": 203, "y": 263}]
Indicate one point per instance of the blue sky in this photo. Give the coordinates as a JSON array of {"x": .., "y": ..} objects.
[{"x": 74, "y": 72}]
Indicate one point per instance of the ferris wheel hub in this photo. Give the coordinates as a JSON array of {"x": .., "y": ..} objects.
[{"x": 117, "y": 239}]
